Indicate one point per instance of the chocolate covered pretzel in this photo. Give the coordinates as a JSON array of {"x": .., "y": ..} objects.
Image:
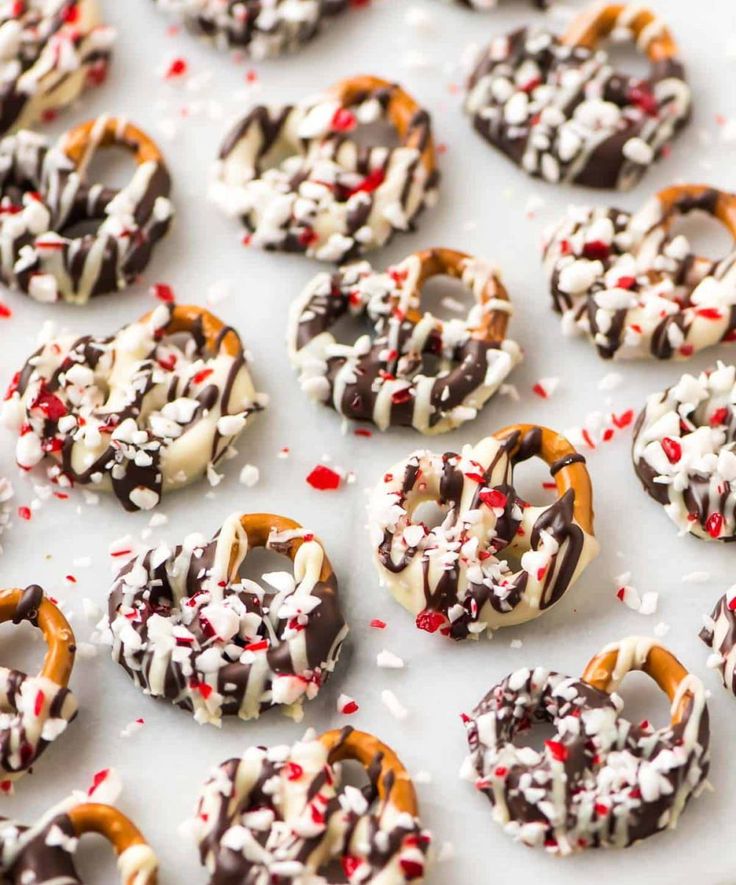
[
  {"x": 43, "y": 854},
  {"x": 560, "y": 111},
  {"x": 719, "y": 634},
  {"x": 283, "y": 814},
  {"x": 50, "y": 52},
  {"x": 34, "y": 710},
  {"x": 483, "y": 5},
  {"x": 634, "y": 287},
  {"x": 458, "y": 577},
  {"x": 385, "y": 378},
  {"x": 47, "y": 204},
  {"x": 263, "y": 28},
  {"x": 187, "y": 627},
  {"x": 301, "y": 183},
  {"x": 684, "y": 452},
  {"x": 600, "y": 781},
  {"x": 139, "y": 413}
]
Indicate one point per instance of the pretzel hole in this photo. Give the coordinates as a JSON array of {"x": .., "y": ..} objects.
[
  {"x": 259, "y": 562},
  {"x": 446, "y": 298},
  {"x": 707, "y": 236},
  {"x": 21, "y": 648},
  {"x": 379, "y": 133},
  {"x": 625, "y": 58},
  {"x": 644, "y": 700},
  {"x": 534, "y": 484},
  {"x": 429, "y": 513},
  {"x": 541, "y": 729},
  {"x": 112, "y": 166},
  {"x": 348, "y": 328},
  {"x": 96, "y": 862}
]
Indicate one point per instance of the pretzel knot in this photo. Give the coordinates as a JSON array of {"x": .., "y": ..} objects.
[
  {"x": 44, "y": 852},
  {"x": 301, "y": 182},
  {"x": 634, "y": 286},
  {"x": 34, "y": 710},
  {"x": 141, "y": 412},
  {"x": 51, "y": 52},
  {"x": 559, "y": 109},
  {"x": 264, "y": 29},
  {"x": 388, "y": 377},
  {"x": 283, "y": 813},
  {"x": 187, "y": 627},
  {"x": 47, "y": 208},
  {"x": 459, "y": 576},
  {"x": 600, "y": 781},
  {"x": 719, "y": 634},
  {"x": 684, "y": 452}
]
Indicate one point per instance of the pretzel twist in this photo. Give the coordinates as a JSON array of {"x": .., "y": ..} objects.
[
  {"x": 136, "y": 861},
  {"x": 293, "y": 811},
  {"x": 146, "y": 410},
  {"x": 606, "y": 670},
  {"x": 559, "y": 109},
  {"x": 265, "y": 645},
  {"x": 635, "y": 286},
  {"x": 391, "y": 779},
  {"x": 455, "y": 577},
  {"x": 569, "y": 472},
  {"x": 45, "y": 196},
  {"x": 596, "y": 22},
  {"x": 384, "y": 377},
  {"x": 300, "y": 182},
  {"x": 39, "y": 707},
  {"x": 600, "y": 780},
  {"x": 403, "y": 111},
  {"x": 81, "y": 143}
]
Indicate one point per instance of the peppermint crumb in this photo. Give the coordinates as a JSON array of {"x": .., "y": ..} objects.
[
  {"x": 132, "y": 727},
  {"x": 696, "y": 578},
  {"x": 389, "y": 661},
  {"x": 393, "y": 705},
  {"x": 249, "y": 475}
]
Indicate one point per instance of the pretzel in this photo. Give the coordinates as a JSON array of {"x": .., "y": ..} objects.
[
  {"x": 186, "y": 627},
  {"x": 484, "y": 5},
  {"x": 141, "y": 412},
  {"x": 263, "y": 29},
  {"x": 719, "y": 634},
  {"x": 633, "y": 285},
  {"x": 684, "y": 452},
  {"x": 456, "y": 577},
  {"x": 301, "y": 183},
  {"x": 284, "y": 811},
  {"x": 35, "y": 709},
  {"x": 600, "y": 781},
  {"x": 385, "y": 379},
  {"x": 45, "y": 199},
  {"x": 51, "y": 53},
  {"x": 45, "y": 852},
  {"x": 558, "y": 109}
]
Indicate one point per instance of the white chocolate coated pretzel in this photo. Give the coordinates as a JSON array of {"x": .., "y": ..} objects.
[
  {"x": 264, "y": 29},
  {"x": 186, "y": 627},
  {"x": 382, "y": 377},
  {"x": 300, "y": 183},
  {"x": 634, "y": 286},
  {"x": 600, "y": 781},
  {"x": 45, "y": 197},
  {"x": 50, "y": 51},
  {"x": 684, "y": 452},
  {"x": 455, "y": 577},
  {"x": 284, "y": 812},
  {"x": 142, "y": 412}
]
